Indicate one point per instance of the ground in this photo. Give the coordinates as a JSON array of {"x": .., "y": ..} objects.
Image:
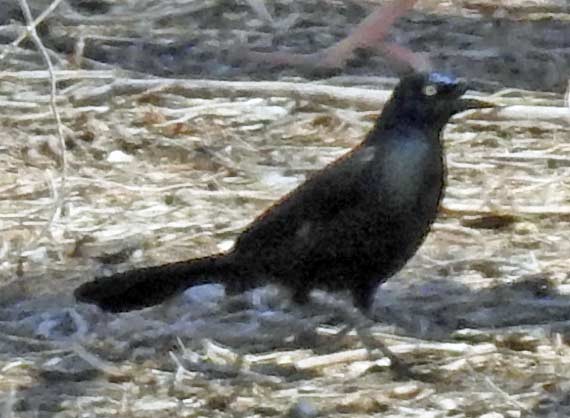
[{"x": 163, "y": 169}]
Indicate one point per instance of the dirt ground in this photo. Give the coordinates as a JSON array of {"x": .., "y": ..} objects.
[{"x": 173, "y": 146}]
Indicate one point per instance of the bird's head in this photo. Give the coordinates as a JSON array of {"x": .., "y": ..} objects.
[{"x": 429, "y": 99}]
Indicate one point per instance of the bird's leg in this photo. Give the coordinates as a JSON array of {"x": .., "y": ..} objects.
[
  {"x": 362, "y": 324},
  {"x": 234, "y": 288},
  {"x": 300, "y": 294},
  {"x": 363, "y": 295}
]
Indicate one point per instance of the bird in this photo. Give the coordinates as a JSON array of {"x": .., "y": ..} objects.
[{"x": 349, "y": 227}]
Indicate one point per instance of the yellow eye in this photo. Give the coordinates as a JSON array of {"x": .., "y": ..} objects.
[{"x": 430, "y": 90}]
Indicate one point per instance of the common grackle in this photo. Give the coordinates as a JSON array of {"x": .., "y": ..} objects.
[{"x": 350, "y": 226}]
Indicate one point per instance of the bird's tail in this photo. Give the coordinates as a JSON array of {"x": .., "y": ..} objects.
[{"x": 140, "y": 288}]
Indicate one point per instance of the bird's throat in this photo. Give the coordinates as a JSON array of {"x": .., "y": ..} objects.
[{"x": 411, "y": 169}]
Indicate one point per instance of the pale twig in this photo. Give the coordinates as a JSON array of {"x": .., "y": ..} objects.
[
  {"x": 530, "y": 156},
  {"x": 567, "y": 96},
  {"x": 61, "y": 75},
  {"x": 493, "y": 386},
  {"x": 312, "y": 92},
  {"x": 69, "y": 114},
  {"x": 258, "y": 6},
  {"x": 31, "y": 26},
  {"x": 326, "y": 360},
  {"x": 9, "y": 403},
  {"x": 58, "y": 201},
  {"x": 460, "y": 209},
  {"x": 361, "y": 98},
  {"x": 90, "y": 358},
  {"x": 158, "y": 11}
]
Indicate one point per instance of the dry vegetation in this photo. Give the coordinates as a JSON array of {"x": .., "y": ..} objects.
[{"x": 164, "y": 169}]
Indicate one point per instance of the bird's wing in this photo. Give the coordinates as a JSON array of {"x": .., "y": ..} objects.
[{"x": 336, "y": 188}]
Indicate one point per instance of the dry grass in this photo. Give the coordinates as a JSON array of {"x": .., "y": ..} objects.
[{"x": 164, "y": 169}]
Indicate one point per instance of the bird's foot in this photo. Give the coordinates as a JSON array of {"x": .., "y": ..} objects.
[{"x": 362, "y": 324}]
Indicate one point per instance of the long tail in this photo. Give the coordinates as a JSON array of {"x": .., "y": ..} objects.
[{"x": 140, "y": 288}]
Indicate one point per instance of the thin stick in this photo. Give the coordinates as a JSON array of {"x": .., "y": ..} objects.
[
  {"x": 454, "y": 208},
  {"x": 493, "y": 386},
  {"x": 360, "y": 98},
  {"x": 95, "y": 361},
  {"x": 33, "y": 25},
  {"x": 9, "y": 403},
  {"x": 58, "y": 201}
]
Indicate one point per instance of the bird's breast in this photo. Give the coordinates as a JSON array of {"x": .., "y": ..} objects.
[{"x": 411, "y": 173}]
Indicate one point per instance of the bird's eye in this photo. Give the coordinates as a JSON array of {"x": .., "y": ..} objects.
[{"x": 430, "y": 90}]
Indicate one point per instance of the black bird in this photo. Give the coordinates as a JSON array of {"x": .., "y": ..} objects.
[{"x": 350, "y": 226}]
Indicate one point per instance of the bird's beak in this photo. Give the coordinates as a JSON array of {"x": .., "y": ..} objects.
[
  {"x": 464, "y": 104},
  {"x": 467, "y": 103}
]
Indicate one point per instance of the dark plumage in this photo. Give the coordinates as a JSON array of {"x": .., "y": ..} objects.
[{"x": 349, "y": 227}]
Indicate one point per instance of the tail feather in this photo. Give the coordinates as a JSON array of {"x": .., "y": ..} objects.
[{"x": 140, "y": 288}]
